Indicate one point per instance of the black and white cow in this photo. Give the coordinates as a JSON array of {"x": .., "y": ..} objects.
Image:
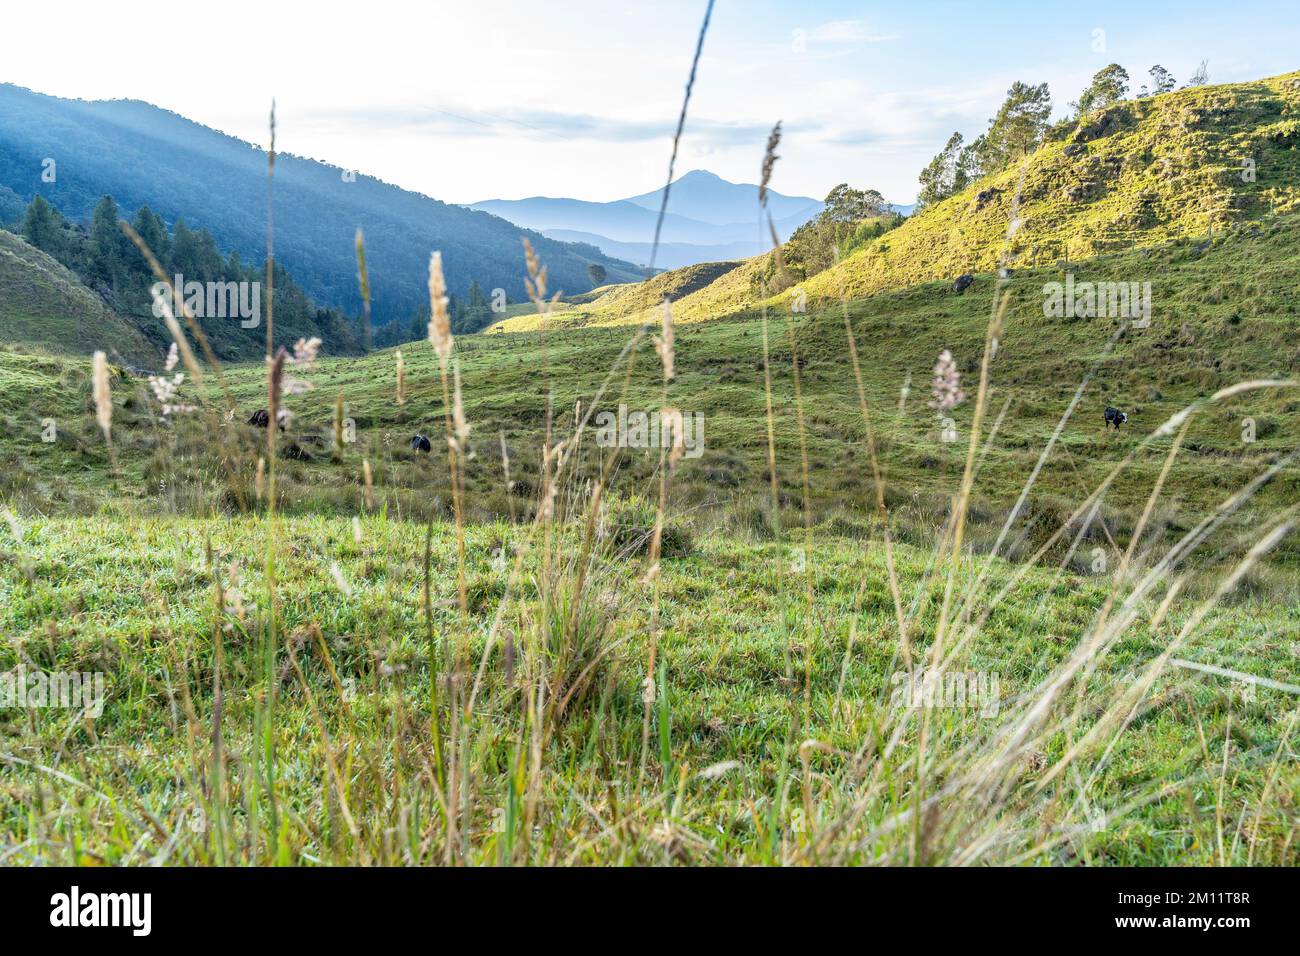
[
  {"x": 421, "y": 443},
  {"x": 1115, "y": 417},
  {"x": 261, "y": 418}
]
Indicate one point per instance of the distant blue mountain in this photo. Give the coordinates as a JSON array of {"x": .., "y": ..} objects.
[
  {"x": 703, "y": 209},
  {"x": 709, "y": 219},
  {"x": 619, "y": 221},
  {"x": 705, "y": 197}
]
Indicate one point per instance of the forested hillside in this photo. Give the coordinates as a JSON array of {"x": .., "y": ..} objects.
[
  {"x": 44, "y": 304},
  {"x": 73, "y": 152},
  {"x": 108, "y": 275}
]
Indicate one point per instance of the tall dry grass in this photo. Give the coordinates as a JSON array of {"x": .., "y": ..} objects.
[{"x": 513, "y": 751}]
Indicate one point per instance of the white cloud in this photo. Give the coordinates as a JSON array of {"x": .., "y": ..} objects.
[{"x": 470, "y": 99}]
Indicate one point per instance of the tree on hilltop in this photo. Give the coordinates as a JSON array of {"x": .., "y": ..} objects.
[
  {"x": 1015, "y": 131},
  {"x": 1162, "y": 81},
  {"x": 849, "y": 217},
  {"x": 845, "y": 204},
  {"x": 1108, "y": 86}
]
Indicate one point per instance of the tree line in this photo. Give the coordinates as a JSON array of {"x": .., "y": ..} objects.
[
  {"x": 106, "y": 261},
  {"x": 1021, "y": 124}
]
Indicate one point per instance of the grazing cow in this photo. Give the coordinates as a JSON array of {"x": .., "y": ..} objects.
[
  {"x": 1115, "y": 417},
  {"x": 421, "y": 443},
  {"x": 261, "y": 418}
]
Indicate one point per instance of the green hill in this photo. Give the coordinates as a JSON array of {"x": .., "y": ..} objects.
[
  {"x": 43, "y": 304},
  {"x": 1223, "y": 314},
  {"x": 1138, "y": 174}
]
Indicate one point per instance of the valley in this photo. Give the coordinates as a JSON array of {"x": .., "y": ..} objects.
[{"x": 548, "y": 635}]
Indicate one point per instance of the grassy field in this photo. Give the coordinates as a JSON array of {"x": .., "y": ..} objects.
[
  {"x": 1222, "y": 314},
  {"x": 341, "y": 727},
  {"x": 716, "y": 681},
  {"x": 322, "y": 646}
]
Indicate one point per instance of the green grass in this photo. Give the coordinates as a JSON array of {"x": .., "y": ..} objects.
[
  {"x": 136, "y": 600},
  {"x": 45, "y": 306},
  {"x": 1221, "y": 316},
  {"x": 749, "y": 673},
  {"x": 281, "y": 690}
]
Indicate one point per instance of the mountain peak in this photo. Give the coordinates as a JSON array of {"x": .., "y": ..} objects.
[
  {"x": 709, "y": 218},
  {"x": 707, "y": 197},
  {"x": 700, "y": 175}
]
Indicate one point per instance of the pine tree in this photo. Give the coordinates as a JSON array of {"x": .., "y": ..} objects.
[
  {"x": 971, "y": 160},
  {"x": 194, "y": 254},
  {"x": 419, "y": 327},
  {"x": 108, "y": 245},
  {"x": 474, "y": 314},
  {"x": 1017, "y": 129},
  {"x": 149, "y": 226},
  {"x": 43, "y": 227},
  {"x": 946, "y": 175}
]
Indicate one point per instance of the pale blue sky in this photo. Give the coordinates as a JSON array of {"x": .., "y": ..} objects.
[{"x": 511, "y": 98}]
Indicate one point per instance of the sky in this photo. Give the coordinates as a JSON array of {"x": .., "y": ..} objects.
[{"x": 487, "y": 99}]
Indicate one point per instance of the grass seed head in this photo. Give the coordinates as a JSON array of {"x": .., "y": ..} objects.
[
  {"x": 536, "y": 280},
  {"x": 103, "y": 396},
  {"x": 458, "y": 410},
  {"x": 363, "y": 276},
  {"x": 769, "y": 162},
  {"x": 665, "y": 343},
  {"x": 439, "y": 318},
  {"x": 369, "y": 480},
  {"x": 946, "y": 386}
]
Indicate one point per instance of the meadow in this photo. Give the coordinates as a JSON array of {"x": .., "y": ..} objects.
[
  {"x": 913, "y": 602},
  {"x": 325, "y": 647}
]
